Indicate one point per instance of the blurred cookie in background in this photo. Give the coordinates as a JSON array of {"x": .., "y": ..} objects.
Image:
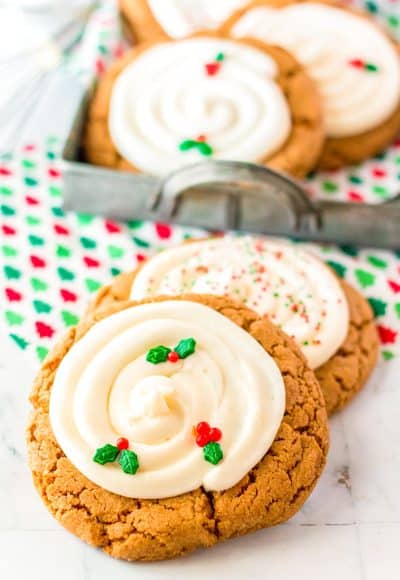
[
  {"x": 170, "y": 103},
  {"x": 149, "y": 19},
  {"x": 355, "y": 64}
]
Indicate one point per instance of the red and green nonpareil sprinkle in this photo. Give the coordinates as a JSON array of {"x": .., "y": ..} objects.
[
  {"x": 161, "y": 353},
  {"x": 364, "y": 65},
  {"x": 127, "y": 459}
]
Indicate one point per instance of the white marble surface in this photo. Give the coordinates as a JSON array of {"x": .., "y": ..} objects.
[{"x": 349, "y": 529}]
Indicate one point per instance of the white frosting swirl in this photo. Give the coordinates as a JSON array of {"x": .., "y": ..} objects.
[
  {"x": 292, "y": 287},
  {"x": 325, "y": 39},
  {"x": 181, "y": 18},
  {"x": 165, "y": 97},
  {"x": 104, "y": 389}
]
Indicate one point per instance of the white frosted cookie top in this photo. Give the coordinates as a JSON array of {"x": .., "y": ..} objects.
[
  {"x": 224, "y": 398},
  {"x": 186, "y": 101},
  {"x": 181, "y": 18},
  {"x": 356, "y": 67},
  {"x": 292, "y": 287}
]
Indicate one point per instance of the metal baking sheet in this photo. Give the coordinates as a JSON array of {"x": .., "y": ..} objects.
[{"x": 218, "y": 196}]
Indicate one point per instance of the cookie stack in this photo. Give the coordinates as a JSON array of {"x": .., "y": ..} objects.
[
  {"x": 190, "y": 404},
  {"x": 293, "y": 85}
]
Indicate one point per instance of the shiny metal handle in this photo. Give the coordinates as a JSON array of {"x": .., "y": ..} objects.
[
  {"x": 224, "y": 195},
  {"x": 237, "y": 181}
]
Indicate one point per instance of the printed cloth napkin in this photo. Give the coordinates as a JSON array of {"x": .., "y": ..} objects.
[{"x": 52, "y": 262}]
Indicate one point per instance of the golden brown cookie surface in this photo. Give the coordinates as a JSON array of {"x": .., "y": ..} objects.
[
  {"x": 299, "y": 152},
  {"x": 341, "y": 378},
  {"x": 140, "y": 21},
  {"x": 349, "y": 149},
  {"x": 156, "y": 529},
  {"x": 151, "y": 19}
]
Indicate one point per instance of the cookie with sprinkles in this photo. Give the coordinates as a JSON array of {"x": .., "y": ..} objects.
[
  {"x": 169, "y": 103},
  {"x": 354, "y": 62},
  {"x": 171, "y": 424},
  {"x": 330, "y": 321}
]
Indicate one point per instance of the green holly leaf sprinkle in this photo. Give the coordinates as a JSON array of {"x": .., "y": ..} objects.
[
  {"x": 212, "y": 452},
  {"x": 371, "y": 67},
  {"x": 186, "y": 347},
  {"x": 205, "y": 149},
  {"x": 106, "y": 454},
  {"x": 158, "y": 354},
  {"x": 187, "y": 144},
  {"x": 129, "y": 462}
]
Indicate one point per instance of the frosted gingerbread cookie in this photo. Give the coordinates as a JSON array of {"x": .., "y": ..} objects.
[
  {"x": 353, "y": 61},
  {"x": 169, "y": 425},
  {"x": 149, "y": 19},
  {"x": 329, "y": 320},
  {"x": 171, "y": 103}
]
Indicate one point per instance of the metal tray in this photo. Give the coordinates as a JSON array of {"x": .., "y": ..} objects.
[{"x": 216, "y": 195}]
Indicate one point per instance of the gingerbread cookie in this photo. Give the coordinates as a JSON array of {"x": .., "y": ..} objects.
[
  {"x": 149, "y": 19},
  {"x": 168, "y": 425},
  {"x": 355, "y": 65},
  {"x": 330, "y": 321},
  {"x": 172, "y": 103}
]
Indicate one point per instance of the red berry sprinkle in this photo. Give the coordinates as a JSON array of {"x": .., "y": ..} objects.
[
  {"x": 203, "y": 428},
  {"x": 173, "y": 356},
  {"x": 215, "y": 434},
  {"x": 202, "y": 440},
  {"x": 122, "y": 443},
  {"x": 201, "y": 139},
  {"x": 357, "y": 63},
  {"x": 204, "y": 434},
  {"x": 212, "y": 68}
]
